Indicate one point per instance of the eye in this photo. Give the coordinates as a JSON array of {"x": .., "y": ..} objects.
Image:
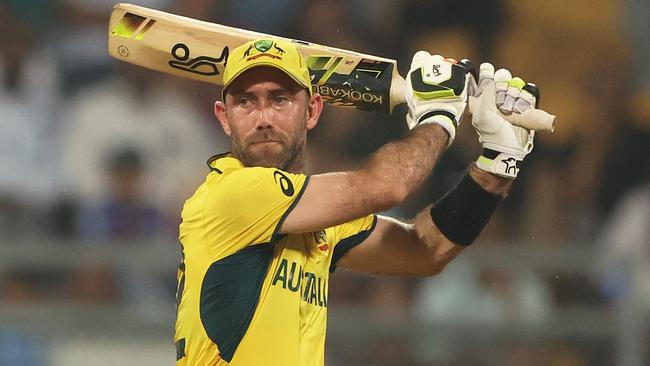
[
  {"x": 280, "y": 99},
  {"x": 243, "y": 101}
]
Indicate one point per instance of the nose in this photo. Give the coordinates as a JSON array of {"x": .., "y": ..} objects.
[{"x": 264, "y": 119}]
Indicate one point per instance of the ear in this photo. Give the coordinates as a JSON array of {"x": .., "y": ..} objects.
[
  {"x": 222, "y": 116},
  {"x": 314, "y": 110}
]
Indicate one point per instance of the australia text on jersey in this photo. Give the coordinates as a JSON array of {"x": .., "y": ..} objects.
[{"x": 312, "y": 287}]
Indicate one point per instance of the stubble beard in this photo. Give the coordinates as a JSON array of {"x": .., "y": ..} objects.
[{"x": 284, "y": 155}]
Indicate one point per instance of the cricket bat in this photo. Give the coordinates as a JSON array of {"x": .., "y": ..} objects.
[{"x": 199, "y": 50}]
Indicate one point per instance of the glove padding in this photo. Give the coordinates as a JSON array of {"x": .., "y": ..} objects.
[
  {"x": 504, "y": 145},
  {"x": 436, "y": 92}
]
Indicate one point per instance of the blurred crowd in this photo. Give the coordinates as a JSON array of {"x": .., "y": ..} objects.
[{"x": 94, "y": 152}]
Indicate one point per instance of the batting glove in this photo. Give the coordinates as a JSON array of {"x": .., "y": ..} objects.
[
  {"x": 436, "y": 91},
  {"x": 504, "y": 145}
]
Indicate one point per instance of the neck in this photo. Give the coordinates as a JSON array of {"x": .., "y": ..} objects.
[{"x": 295, "y": 165}]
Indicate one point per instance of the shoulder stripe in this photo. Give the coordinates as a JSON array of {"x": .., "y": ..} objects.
[
  {"x": 350, "y": 242},
  {"x": 276, "y": 235}
]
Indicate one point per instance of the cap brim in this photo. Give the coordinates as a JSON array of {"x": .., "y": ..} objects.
[{"x": 260, "y": 64}]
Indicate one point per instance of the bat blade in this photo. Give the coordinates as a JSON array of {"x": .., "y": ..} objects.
[{"x": 199, "y": 50}]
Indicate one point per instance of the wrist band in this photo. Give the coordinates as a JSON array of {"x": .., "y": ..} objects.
[
  {"x": 441, "y": 113},
  {"x": 464, "y": 211}
]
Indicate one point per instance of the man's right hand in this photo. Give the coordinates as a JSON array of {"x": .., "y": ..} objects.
[{"x": 436, "y": 92}]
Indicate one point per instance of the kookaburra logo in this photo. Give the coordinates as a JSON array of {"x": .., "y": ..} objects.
[
  {"x": 202, "y": 65},
  {"x": 511, "y": 165},
  {"x": 436, "y": 70}
]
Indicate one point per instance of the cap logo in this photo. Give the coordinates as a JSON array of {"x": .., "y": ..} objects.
[{"x": 264, "y": 47}]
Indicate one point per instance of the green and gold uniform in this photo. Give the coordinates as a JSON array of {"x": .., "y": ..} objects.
[{"x": 247, "y": 295}]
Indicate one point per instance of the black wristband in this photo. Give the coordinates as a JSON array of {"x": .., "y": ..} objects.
[{"x": 464, "y": 211}]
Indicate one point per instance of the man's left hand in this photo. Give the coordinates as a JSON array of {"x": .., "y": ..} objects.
[{"x": 504, "y": 145}]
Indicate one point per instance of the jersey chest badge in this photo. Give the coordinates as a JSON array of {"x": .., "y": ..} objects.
[
  {"x": 318, "y": 246},
  {"x": 321, "y": 240}
]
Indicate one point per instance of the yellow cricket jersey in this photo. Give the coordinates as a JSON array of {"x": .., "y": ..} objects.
[{"x": 247, "y": 295}]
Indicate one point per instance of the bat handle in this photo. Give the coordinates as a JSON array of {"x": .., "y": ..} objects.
[
  {"x": 397, "y": 91},
  {"x": 532, "y": 119}
]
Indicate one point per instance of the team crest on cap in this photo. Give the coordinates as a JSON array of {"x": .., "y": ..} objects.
[{"x": 265, "y": 47}]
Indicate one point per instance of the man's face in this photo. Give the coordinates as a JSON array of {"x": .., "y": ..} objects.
[{"x": 267, "y": 116}]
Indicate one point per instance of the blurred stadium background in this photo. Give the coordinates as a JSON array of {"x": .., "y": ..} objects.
[{"x": 97, "y": 157}]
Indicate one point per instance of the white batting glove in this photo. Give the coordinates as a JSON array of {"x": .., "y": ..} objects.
[
  {"x": 436, "y": 92},
  {"x": 504, "y": 145}
]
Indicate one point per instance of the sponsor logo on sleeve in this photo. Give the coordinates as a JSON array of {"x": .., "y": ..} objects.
[{"x": 284, "y": 182}]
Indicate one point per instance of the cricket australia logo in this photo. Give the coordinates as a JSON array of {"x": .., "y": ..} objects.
[
  {"x": 263, "y": 47},
  {"x": 202, "y": 65},
  {"x": 321, "y": 240}
]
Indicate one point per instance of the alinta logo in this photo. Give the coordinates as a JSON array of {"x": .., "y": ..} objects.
[{"x": 323, "y": 248}]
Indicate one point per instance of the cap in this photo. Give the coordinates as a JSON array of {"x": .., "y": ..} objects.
[{"x": 276, "y": 53}]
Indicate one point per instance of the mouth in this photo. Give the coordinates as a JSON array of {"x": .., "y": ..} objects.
[{"x": 264, "y": 142}]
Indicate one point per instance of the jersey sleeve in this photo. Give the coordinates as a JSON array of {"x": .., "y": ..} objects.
[
  {"x": 349, "y": 235},
  {"x": 248, "y": 206}
]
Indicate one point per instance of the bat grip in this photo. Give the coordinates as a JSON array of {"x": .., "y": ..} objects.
[{"x": 533, "y": 119}]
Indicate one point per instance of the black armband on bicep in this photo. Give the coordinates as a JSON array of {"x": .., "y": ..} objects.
[{"x": 464, "y": 211}]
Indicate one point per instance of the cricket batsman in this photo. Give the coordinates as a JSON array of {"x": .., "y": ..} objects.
[{"x": 260, "y": 237}]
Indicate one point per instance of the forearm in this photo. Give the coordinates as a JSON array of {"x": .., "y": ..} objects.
[
  {"x": 422, "y": 247},
  {"x": 441, "y": 250},
  {"x": 391, "y": 174},
  {"x": 398, "y": 168},
  {"x": 440, "y": 247},
  {"x": 436, "y": 95}
]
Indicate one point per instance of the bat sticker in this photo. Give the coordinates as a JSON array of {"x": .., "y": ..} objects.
[
  {"x": 366, "y": 87},
  {"x": 132, "y": 26},
  {"x": 202, "y": 65}
]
